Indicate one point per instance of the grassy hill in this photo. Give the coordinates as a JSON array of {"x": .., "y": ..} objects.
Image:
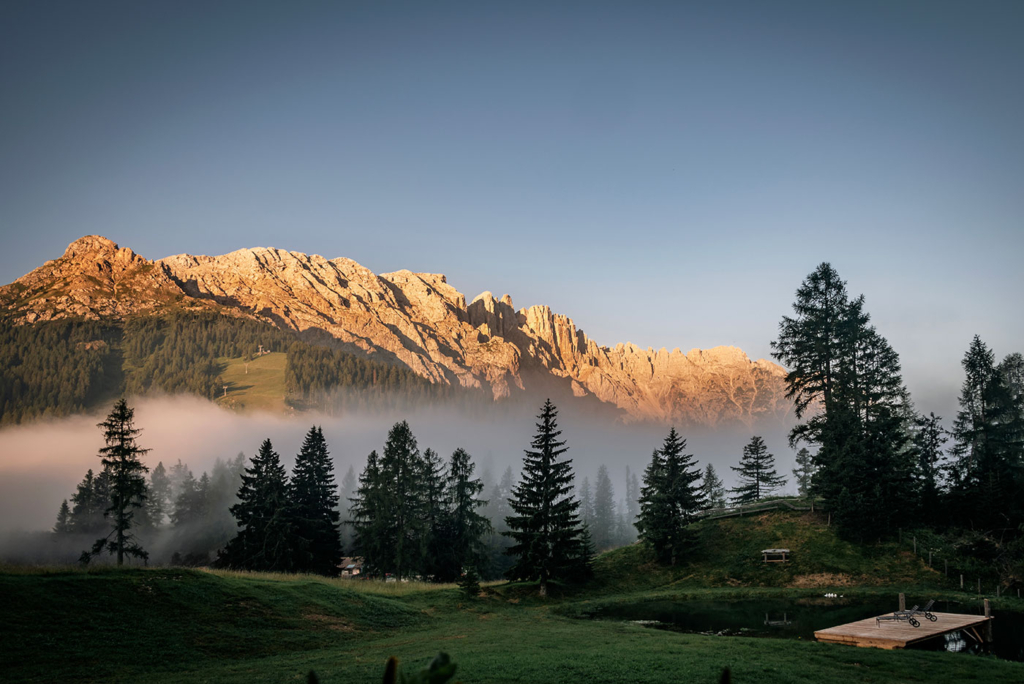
[
  {"x": 176, "y": 625},
  {"x": 728, "y": 554}
]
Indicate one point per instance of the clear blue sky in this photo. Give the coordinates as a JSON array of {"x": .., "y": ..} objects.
[{"x": 666, "y": 173}]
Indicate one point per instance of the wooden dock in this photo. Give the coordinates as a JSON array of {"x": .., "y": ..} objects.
[{"x": 890, "y": 635}]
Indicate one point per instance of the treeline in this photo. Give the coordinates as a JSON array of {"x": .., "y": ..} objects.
[
  {"x": 184, "y": 518},
  {"x": 880, "y": 464},
  {"x": 331, "y": 378},
  {"x": 179, "y": 352},
  {"x": 56, "y": 368},
  {"x": 416, "y": 515}
]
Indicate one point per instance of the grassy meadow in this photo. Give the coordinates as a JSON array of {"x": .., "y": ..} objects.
[
  {"x": 183, "y": 625},
  {"x": 262, "y": 388}
]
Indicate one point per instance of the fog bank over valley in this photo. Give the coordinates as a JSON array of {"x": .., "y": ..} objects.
[{"x": 42, "y": 462}]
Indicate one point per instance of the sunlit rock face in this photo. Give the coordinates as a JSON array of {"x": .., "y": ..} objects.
[{"x": 416, "y": 319}]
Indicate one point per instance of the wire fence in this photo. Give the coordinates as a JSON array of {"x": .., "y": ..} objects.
[{"x": 966, "y": 576}]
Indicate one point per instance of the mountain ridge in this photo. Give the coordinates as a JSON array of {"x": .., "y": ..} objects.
[{"x": 414, "y": 319}]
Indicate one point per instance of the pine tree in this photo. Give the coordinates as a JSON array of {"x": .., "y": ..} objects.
[
  {"x": 314, "y": 502},
  {"x": 862, "y": 420},
  {"x": 120, "y": 457},
  {"x": 712, "y": 488},
  {"x": 603, "y": 527},
  {"x": 544, "y": 523},
  {"x": 929, "y": 441},
  {"x": 757, "y": 476},
  {"x": 632, "y": 504},
  {"x": 586, "y": 498},
  {"x": 369, "y": 519},
  {"x": 63, "y": 525},
  {"x": 464, "y": 528},
  {"x": 804, "y": 472},
  {"x": 401, "y": 473},
  {"x": 349, "y": 486},
  {"x": 90, "y": 502},
  {"x": 264, "y": 539},
  {"x": 190, "y": 503},
  {"x": 158, "y": 501},
  {"x": 431, "y": 487},
  {"x": 583, "y": 562},
  {"x": 670, "y": 500}
]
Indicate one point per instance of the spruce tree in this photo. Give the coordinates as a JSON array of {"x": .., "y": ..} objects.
[
  {"x": 63, "y": 525},
  {"x": 757, "y": 476},
  {"x": 670, "y": 500},
  {"x": 586, "y": 497},
  {"x": 840, "y": 367},
  {"x": 190, "y": 503},
  {"x": 264, "y": 538},
  {"x": 121, "y": 461},
  {"x": 401, "y": 471},
  {"x": 431, "y": 488},
  {"x": 349, "y": 486},
  {"x": 369, "y": 520},
  {"x": 314, "y": 507},
  {"x": 462, "y": 551},
  {"x": 603, "y": 526},
  {"x": 544, "y": 523},
  {"x": 712, "y": 488},
  {"x": 158, "y": 501},
  {"x": 90, "y": 502},
  {"x": 632, "y": 504},
  {"x": 804, "y": 472},
  {"x": 929, "y": 442}
]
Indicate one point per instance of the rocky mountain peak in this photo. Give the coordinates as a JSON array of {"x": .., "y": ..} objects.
[{"x": 415, "y": 319}]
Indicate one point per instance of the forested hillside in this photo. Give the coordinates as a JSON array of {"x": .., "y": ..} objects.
[{"x": 56, "y": 368}]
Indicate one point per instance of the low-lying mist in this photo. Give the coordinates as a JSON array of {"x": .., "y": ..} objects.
[{"x": 41, "y": 463}]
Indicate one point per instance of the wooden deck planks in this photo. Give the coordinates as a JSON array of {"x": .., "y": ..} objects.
[{"x": 890, "y": 635}]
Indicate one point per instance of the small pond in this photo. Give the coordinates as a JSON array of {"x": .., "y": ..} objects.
[{"x": 800, "y": 618}]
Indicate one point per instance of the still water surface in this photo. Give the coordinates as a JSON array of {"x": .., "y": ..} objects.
[{"x": 800, "y": 618}]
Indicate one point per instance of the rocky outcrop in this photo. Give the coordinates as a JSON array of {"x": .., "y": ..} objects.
[{"x": 416, "y": 319}]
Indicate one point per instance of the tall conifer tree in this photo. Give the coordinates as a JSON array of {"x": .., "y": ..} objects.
[
  {"x": 263, "y": 512},
  {"x": 121, "y": 461},
  {"x": 586, "y": 496},
  {"x": 370, "y": 519},
  {"x": 757, "y": 476},
  {"x": 712, "y": 488},
  {"x": 544, "y": 523},
  {"x": 845, "y": 381},
  {"x": 603, "y": 526},
  {"x": 465, "y": 527},
  {"x": 63, "y": 525},
  {"x": 804, "y": 472},
  {"x": 314, "y": 501},
  {"x": 670, "y": 500}
]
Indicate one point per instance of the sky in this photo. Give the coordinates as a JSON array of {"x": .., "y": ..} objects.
[{"x": 664, "y": 173}]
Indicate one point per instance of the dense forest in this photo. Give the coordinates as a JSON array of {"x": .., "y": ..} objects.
[{"x": 56, "y": 368}]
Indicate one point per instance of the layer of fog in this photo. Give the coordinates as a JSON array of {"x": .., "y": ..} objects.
[{"x": 41, "y": 463}]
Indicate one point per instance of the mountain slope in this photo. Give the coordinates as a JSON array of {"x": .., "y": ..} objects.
[{"x": 416, "y": 320}]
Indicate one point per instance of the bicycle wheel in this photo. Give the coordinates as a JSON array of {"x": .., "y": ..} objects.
[
  {"x": 932, "y": 617},
  {"x": 914, "y": 622}
]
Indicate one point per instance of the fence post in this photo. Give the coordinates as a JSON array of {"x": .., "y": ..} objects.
[
  {"x": 961, "y": 581},
  {"x": 929, "y": 558},
  {"x": 903, "y": 601},
  {"x": 915, "y": 546},
  {"x": 988, "y": 622}
]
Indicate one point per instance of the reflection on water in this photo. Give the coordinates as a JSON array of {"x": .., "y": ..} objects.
[{"x": 800, "y": 618}]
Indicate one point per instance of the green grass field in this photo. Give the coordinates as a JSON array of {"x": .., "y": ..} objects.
[
  {"x": 262, "y": 388},
  {"x": 177, "y": 625}
]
